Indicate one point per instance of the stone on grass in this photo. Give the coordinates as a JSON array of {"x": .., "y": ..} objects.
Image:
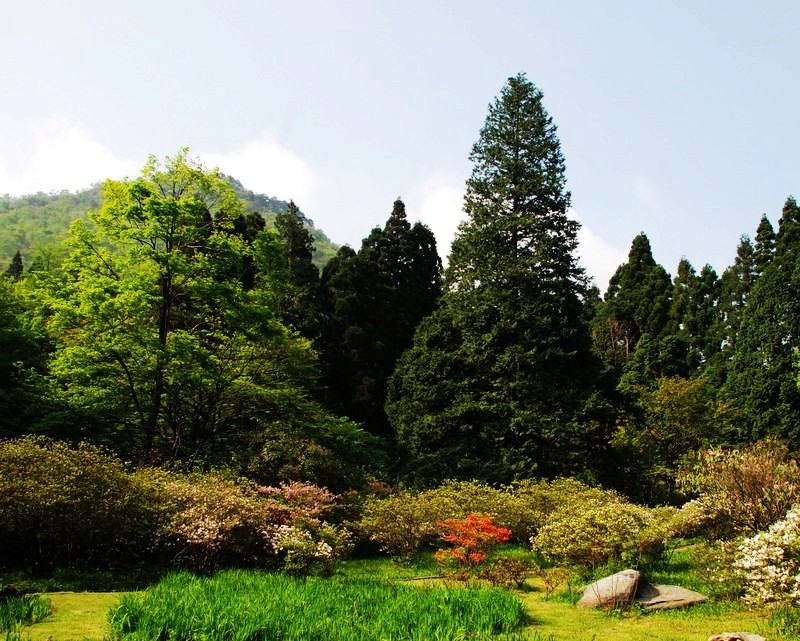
[
  {"x": 736, "y": 636},
  {"x": 614, "y": 591},
  {"x": 666, "y": 597}
]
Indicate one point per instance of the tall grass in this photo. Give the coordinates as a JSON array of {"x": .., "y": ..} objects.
[
  {"x": 248, "y": 606},
  {"x": 22, "y": 610}
]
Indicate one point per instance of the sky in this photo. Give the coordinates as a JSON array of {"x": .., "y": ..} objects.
[{"x": 676, "y": 118}]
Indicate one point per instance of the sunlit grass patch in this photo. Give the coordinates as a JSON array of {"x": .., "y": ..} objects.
[{"x": 245, "y": 606}]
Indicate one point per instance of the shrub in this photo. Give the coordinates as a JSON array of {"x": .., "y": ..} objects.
[
  {"x": 472, "y": 540},
  {"x": 74, "y": 506},
  {"x": 590, "y": 526},
  {"x": 220, "y": 522},
  {"x": 744, "y": 491},
  {"x": 769, "y": 562},
  {"x": 406, "y": 521}
]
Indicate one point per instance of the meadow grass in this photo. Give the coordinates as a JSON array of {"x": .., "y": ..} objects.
[{"x": 252, "y": 606}]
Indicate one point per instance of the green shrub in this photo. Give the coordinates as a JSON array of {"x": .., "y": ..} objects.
[
  {"x": 591, "y": 527},
  {"x": 74, "y": 506}
]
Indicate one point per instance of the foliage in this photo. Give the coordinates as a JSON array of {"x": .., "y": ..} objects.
[
  {"x": 497, "y": 383},
  {"x": 744, "y": 490},
  {"x": 769, "y": 562},
  {"x": 22, "y": 610},
  {"x": 406, "y": 521},
  {"x": 673, "y": 419},
  {"x": 375, "y": 299},
  {"x": 238, "y": 606},
  {"x": 592, "y": 526},
  {"x": 762, "y": 376},
  {"x": 65, "y": 506},
  {"x": 168, "y": 343},
  {"x": 81, "y": 506},
  {"x": 472, "y": 540},
  {"x": 219, "y": 522}
]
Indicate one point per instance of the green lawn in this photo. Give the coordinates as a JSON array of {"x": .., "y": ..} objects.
[{"x": 83, "y": 616}]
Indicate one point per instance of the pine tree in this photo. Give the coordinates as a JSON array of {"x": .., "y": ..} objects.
[
  {"x": 300, "y": 303},
  {"x": 763, "y": 376},
  {"x": 765, "y": 245},
  {"x": 636, "y": 304},
  {"x": 376, "y": 299},
  {"x": 498, "y": 378},
  {"x": 15, "y": 268}
]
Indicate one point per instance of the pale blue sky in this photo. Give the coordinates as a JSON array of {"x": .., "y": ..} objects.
[{"x": 679, "y": 119}]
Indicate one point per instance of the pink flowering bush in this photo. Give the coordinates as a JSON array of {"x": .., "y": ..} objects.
[
  {"x": 218, "y": 522},
  {"x": 769, "y": 562}
]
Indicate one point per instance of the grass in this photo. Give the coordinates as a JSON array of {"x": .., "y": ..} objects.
[
  {"x": 251, "y": 606},
  {"x": 22, "y": 610},
  {"x": 82, "y": 617}
]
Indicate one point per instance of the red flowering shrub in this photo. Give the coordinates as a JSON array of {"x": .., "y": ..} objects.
[{"x": 472, "y": 539}]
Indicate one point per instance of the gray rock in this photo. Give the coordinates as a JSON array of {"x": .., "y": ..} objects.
[
  {"x": 666, "y": 597},
  {"x": 736, "y": 636},
  {"x": 614, "y": 591}
]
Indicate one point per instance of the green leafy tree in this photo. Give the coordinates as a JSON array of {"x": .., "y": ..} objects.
[
  {"x": 163, "y": 353},
  {"x": 497, "y": 382}
]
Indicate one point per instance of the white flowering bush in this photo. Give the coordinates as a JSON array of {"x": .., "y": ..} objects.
[{"x": 769, "y": 562}]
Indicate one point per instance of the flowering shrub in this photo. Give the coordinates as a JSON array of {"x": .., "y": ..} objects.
[
  {"x": 744, "y": 490},
  {"x": 769, "y": 562},
  {"x": 219, "y": 522},
  {"x": 472, "y": 539}
]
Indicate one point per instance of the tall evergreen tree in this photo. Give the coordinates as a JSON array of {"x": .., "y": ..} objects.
[
  {"x": 636, "y": 304},
  {"x": 300, "y": 303},
  {"x": 497, "y": 382},
  {"x": 15, "y": 268},
  {"x": 763, "y": 376},
  {"x": 765, "y": 245},
  {"x": 376, "y": 299}
]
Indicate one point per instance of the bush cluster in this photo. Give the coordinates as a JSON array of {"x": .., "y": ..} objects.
[
  {"x": 567, "y": 522},
  {"x": 81, "y": 507}
]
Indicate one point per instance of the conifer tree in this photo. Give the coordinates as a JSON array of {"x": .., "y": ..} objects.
[
  {"x": 765, "y": 245},
  {"x": 300, "y": 303},
  {"x": 496, "y": 384},
  {"x": 376, "y": 299},
  {"x": 15, "y": 268},
  {"x": 763, "y": 376}
]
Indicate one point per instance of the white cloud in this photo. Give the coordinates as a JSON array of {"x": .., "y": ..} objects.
[
  {"x": 264, "y": 166},
  {"x": 57, "y": 154},
  {"x": 599, "y": 257},
  {"x": 440, "y": 207}
]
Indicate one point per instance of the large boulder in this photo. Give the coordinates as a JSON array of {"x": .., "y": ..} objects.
[
  {"x": 614, "y": 591},
  {"x": 666, "y": 597}
]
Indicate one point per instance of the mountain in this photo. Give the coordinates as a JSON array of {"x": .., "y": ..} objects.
[{"x": 36, "y": 224}]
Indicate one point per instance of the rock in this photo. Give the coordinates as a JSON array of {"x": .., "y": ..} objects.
[
  {"x": 614, "y": 591},
  {"x": 736, "y": 636},
  {"x": 666, "y": 597}
]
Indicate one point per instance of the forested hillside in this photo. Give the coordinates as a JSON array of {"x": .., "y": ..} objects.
[
  {"x": 35, "y": 225},
  {"x": 189, "y": 322}
]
